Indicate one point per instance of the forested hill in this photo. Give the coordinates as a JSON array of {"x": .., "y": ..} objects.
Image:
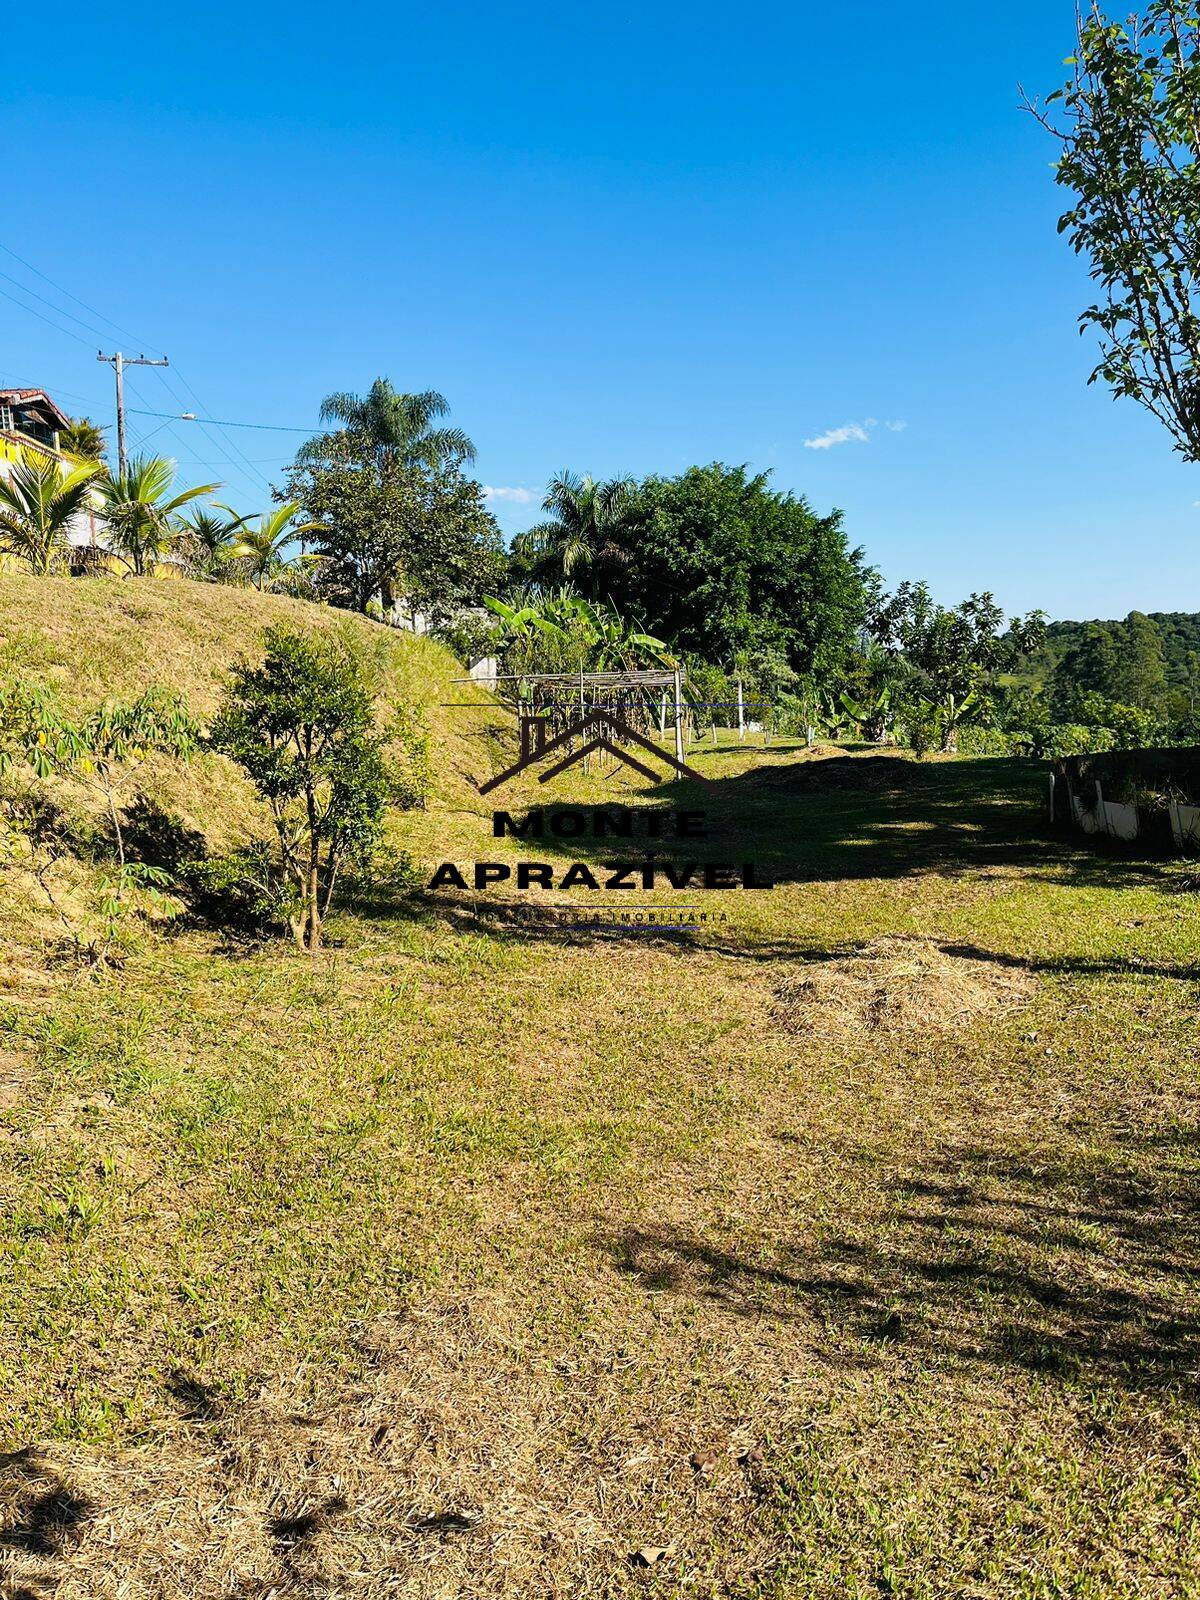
[{"x": 1178, "y": 630}]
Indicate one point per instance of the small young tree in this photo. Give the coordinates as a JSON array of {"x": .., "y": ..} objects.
[
  {"x": 302, "y": 726},
  {"x": 103, "y": 751},
  {"x": 38, "y": 501},
  {"x": 952, "y": 656},
  {"x": 142, "y": 513}
]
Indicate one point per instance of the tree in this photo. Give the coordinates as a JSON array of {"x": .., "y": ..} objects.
[
  {"x": 38, "y": 502},
  {"x": 302, "y": 726},
  {"x": 1143, "y": 663},
  {"x": 262, "y": 546},
  {"x": 142, "y": 513},
  {"x": 397, "y": 429},
  {"x": 209, "y": 539},
  {"x": 103, "y": 752},
  {"x": 1090, "y": 666},
  {"x": 1130, "y": 146},
  {"x": 389, "y": 528},
  {"x": 83, "y": 438},
  {"x": 1123, "y": 662},
  {"x": 719, "y": 563},
  {"x": 953, "y": 655},
  {"x": 583, "y": 537}
]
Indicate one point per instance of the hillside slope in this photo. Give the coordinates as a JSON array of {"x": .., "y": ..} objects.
[
  {"x": 1178, "y": 630},
  {"x": 95, "y": 638}
]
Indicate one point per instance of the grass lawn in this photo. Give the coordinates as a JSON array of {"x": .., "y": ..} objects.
[{"x": 490, "y": 1257}]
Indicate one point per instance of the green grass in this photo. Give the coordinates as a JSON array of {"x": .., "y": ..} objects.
[{"x": 423, "y": 1270}]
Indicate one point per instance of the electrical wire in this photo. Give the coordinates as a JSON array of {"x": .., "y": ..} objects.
[
  {"x": 168, "y": 420},
  {"x": 146, "y": 344},
  {"x": 267, "y": 427},
  {"x": 78, "y": 337}
]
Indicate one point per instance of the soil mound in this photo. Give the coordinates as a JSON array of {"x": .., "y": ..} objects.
[{"x": 899, "y": 984}]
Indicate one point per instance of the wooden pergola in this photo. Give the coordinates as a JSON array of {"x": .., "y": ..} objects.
[{"x": 621, "y": 685}]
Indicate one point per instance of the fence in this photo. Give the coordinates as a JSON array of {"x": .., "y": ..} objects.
[{"x": 1148, "y": 797}]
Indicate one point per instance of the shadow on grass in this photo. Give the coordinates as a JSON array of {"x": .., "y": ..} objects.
[
  {"x": 41, "y": 1518},
  {"x": 1001, "y": 1261},
  {"x": 870, "y": 816}
]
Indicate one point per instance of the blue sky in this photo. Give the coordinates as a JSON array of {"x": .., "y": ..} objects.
[{"x": 619, "y": 240}]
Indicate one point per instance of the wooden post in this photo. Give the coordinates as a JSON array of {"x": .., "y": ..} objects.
[
  {"x": 662, "y": 716},
  {"x": 678, "y": 717},
  {"x": 587, "y": 760},
  {"x": 741, "y": 715}
]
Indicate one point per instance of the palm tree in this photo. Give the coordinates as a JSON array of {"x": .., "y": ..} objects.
[
  {"x": 141, "y": 512},
  {"x": 584, "y": 533},
  {"x": 83, "y": 439},
  {"x": 37, "y": 502},
  {"x": 262, "y": 547},
  {"x": 395, "y": 428},
  {"x": 211, "y": 539}
]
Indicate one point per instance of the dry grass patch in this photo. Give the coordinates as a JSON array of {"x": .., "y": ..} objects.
[{"x": 900, "y": 984}]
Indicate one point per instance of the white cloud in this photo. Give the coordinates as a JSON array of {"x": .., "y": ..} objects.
[
  {"x": 826, "y": 441},
  {"x": 851, "y": 433},
  {"x": 513, "y": 497}
]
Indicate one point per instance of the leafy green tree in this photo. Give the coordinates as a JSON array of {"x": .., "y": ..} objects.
[
  {"x": 396, "y": 429},
  {"x": 38, "y": 501},
  {"x": 302, "y": 726},
  {"x": 719, "y": 563},
  {"x": 1143, "y": 663},
  {"x": 141, "y": 510},
  {"x": 596, "y": 638},
  {"x": 262, "y": 546},
  {"x": 1090, "y": 666},
  {"x": 582, "y": 542},
  {"x": 83, "y": 439},
  {"x": 387, "y": 528},
  {"x": 1121, "y": 662},
  {"x": 953, "y": 655},
  {"x": 1129, "y": 127},
  {"x": 103, "y": 752}
]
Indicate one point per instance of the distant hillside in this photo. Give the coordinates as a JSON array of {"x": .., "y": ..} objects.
[{"x": 1179, "y": 630}]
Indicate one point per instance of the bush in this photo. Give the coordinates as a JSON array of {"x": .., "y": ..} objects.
[
  {"x": 980, "y": 741},
  {"x": 302, "y": 726}
]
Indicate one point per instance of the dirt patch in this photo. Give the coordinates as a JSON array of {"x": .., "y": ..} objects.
[{"x": 898, "y": 985}]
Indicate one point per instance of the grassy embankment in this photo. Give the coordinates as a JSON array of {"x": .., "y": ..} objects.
[{"x": 425, "y": 1268}]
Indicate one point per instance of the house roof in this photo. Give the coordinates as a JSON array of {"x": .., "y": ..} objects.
[{"x": 38, "y": 397}]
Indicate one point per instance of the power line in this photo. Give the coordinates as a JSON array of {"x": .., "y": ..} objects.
[
  {"x": 38, "y": 273},
  {"x": 268, "y": 427},
  {"x": 88, "y": 400},
  {"x": 237, "y": 449},
  {"x": 217, "y": 443},
  {"x": 41, "y": 298},
  {"x": 166, "y": 419},
  {"x": 78, "y": 337}
]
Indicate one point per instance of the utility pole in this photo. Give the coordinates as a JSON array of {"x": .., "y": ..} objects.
[{"x": 118, "y": 362}]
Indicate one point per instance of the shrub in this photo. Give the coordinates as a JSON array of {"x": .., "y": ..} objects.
[
  {"x": 102, "y": 752},
  {"x": 302, "y": 726},
  {"x": 980, "y": 741}
]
